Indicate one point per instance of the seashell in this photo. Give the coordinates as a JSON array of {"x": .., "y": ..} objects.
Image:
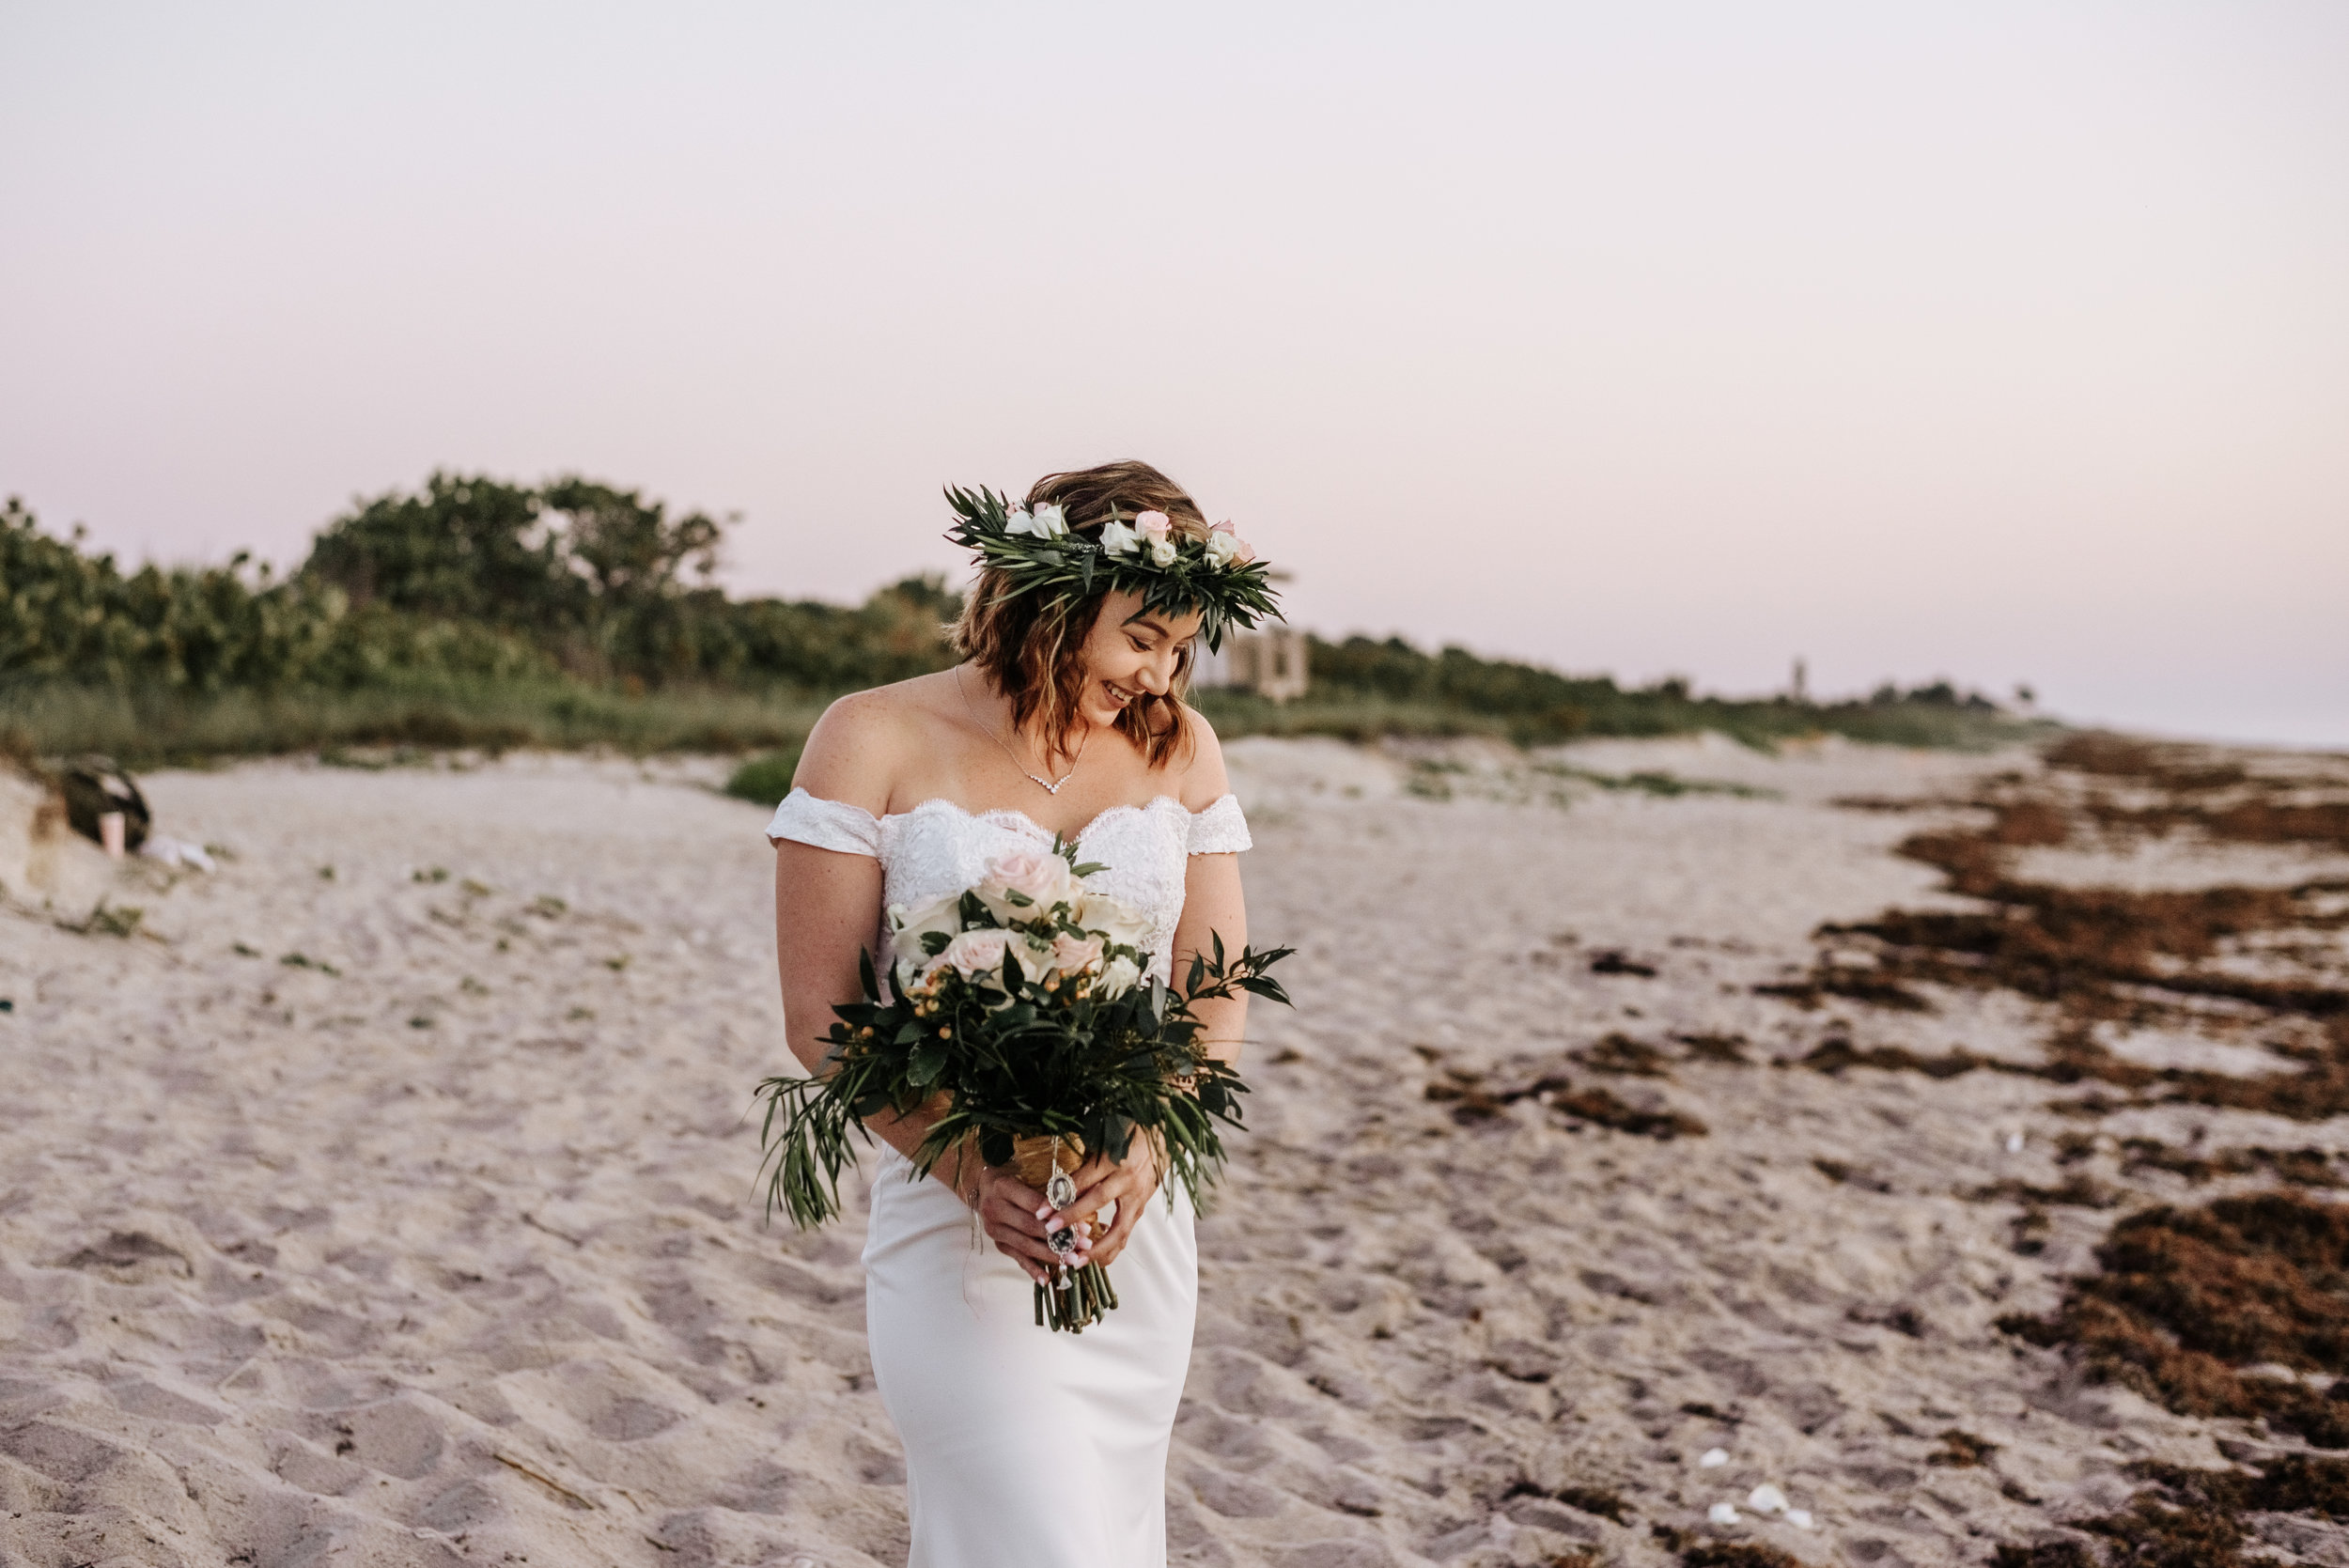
[
  {"x": 1723, "y": 1514},
  {"x": 1798, "y": 1518},
  {"x": 1766, "y": 1498},
  {"x": 1712, "y": 1457}
]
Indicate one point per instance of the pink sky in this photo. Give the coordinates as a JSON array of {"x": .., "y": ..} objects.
[{"x": 2002, "y": 341}]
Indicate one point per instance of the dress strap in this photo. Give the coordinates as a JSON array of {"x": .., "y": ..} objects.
[
  {"x": 1219, "y": 829},
  {"x": 806, "y": 818}
]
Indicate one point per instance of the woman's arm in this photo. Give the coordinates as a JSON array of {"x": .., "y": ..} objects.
[
  {"x": 827, "y": 912},
  {"x": 1212, "y": 906}
]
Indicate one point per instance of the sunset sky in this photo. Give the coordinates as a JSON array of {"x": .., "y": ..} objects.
[{"x": 2000, "y": 342}]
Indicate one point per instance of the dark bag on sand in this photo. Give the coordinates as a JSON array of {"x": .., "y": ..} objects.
[{"x": 93, "y": 786}]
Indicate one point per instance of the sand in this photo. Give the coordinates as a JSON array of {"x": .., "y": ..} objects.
[{"x": 387, "y": 1196}]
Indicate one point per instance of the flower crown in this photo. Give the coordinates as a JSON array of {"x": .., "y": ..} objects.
[{"x": 1219, "y": 576}]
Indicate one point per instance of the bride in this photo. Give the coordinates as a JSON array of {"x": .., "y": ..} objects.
[{"x": 1026, "y": 1449}]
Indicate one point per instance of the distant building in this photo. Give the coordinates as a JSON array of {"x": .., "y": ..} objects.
[{"x": 1270, "y": 662}]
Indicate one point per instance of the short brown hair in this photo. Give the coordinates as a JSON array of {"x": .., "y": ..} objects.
[{"x": 1032, "y": 648}]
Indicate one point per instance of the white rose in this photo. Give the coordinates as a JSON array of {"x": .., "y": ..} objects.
[
  {"x": 1118, "y": 976},
  {"x": 1121, "y": 923},
  {"x": 909, "y": 926},
  {"x": 1017, "y": 520},
  {"x": 1118, "y": 540},
  {"x": 1221, "y": 549},
  {"x": 1162, "y": 552},
  {"x": 1051, "y": 523}
]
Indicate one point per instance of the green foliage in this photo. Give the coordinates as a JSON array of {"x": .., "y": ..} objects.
[
  {"x": 766, "y": 778},
  {"x": 466, "y": 549},
  {"x": 1226, "y": 591},
  {"x": 472, "y": 613},
  {"x": 147, "y": 727},
  {"x": 1363, "y": 687},
  {"x": 476, "y": 612}
]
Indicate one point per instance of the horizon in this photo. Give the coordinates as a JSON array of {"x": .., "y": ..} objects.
[{"x": 1992, "y": 346}]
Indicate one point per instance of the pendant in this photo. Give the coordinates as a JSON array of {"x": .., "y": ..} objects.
[{"x": 1061, "y": 1191}]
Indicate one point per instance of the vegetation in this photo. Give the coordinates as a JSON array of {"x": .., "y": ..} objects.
[{"x": 476, "y": 612}]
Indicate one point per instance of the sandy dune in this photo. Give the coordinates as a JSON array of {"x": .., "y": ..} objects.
[{"x": 386, "y": 1197}]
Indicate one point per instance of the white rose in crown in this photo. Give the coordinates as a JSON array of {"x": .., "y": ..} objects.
[
  {"x": 1162, "y": 552},
  {"x": 1121, "y": 923},
  {"x": 910, "y": 926},
  {"x": 1045, "y": 523},
  {"x": 1025, "y": 884},
  {"x": 1118, "y": 976},
  {"x": 1225, "y": 547},
  {"x": 1118, "y": 540}
]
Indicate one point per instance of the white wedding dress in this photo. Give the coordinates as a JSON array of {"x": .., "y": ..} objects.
[{"x": 1024, "y": 1448}]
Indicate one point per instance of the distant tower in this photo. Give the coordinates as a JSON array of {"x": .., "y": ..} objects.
[{"x": 1803, "y": 681}]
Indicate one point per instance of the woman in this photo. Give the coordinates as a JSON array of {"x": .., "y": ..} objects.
[{"x": 1027, "y": 1448}]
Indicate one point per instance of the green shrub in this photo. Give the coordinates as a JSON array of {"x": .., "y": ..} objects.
[{"x": 766, "y": 778}]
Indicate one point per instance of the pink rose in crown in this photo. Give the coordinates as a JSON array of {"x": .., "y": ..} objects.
[
  {"x": 1152, "y": 526},
  {"x": 1038, "y": 875}
]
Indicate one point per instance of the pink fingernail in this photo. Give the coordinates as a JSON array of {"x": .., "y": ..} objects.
[{"x": 1045, "y": 1213}]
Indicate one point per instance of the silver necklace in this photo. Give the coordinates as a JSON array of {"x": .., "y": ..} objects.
[{"x": 1047, "y": 785}]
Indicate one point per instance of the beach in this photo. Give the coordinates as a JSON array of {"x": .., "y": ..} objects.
[{"x": 388, "y": 1195}]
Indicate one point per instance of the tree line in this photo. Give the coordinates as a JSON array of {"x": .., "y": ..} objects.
[
  {"x": 573, "y": 586},
  {"x": 470, "y": 577}
]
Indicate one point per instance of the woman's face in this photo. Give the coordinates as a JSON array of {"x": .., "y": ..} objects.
[{"x": 1130, "y": 655}]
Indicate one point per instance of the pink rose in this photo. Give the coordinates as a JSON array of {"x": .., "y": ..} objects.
[
  {"x": 1152, "y": 526},
  {"x": 976, "y": 953},
  {"x": 1075, "y": 955},
  {"x": 1038, "y": 875}
]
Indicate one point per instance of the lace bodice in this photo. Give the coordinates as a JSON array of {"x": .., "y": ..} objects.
[{"x": 939, "y": 848}]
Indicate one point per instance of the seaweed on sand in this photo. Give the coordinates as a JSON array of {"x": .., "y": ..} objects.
[
  {"x": 2191, "y": 1518},
  {"x": 2187, "y": 1300},
  {"x": 1474, "y": 1101},
  {"x": 2110, "y": 955}
]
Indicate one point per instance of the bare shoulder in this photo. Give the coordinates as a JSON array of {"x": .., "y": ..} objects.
[
  {"x": 1205, "y": 781},
  {"x": 864, "y": 740}
]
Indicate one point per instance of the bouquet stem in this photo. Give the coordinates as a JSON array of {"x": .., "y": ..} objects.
[{"x": 1074, "y": 1299}]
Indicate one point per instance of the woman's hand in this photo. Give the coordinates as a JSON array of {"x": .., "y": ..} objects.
[
  {"x": 1128, "y": 1183},
  {"x": 1017, "y": 1220}
]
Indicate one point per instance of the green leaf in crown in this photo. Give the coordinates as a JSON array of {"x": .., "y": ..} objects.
[{"x": 1219, "y": 576}]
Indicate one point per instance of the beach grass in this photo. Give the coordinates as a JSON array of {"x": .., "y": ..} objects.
[{"x": 149, "y": 727}]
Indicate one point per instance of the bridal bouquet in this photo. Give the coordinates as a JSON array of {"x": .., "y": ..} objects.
[{"x": 1019, "y": 1011}]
